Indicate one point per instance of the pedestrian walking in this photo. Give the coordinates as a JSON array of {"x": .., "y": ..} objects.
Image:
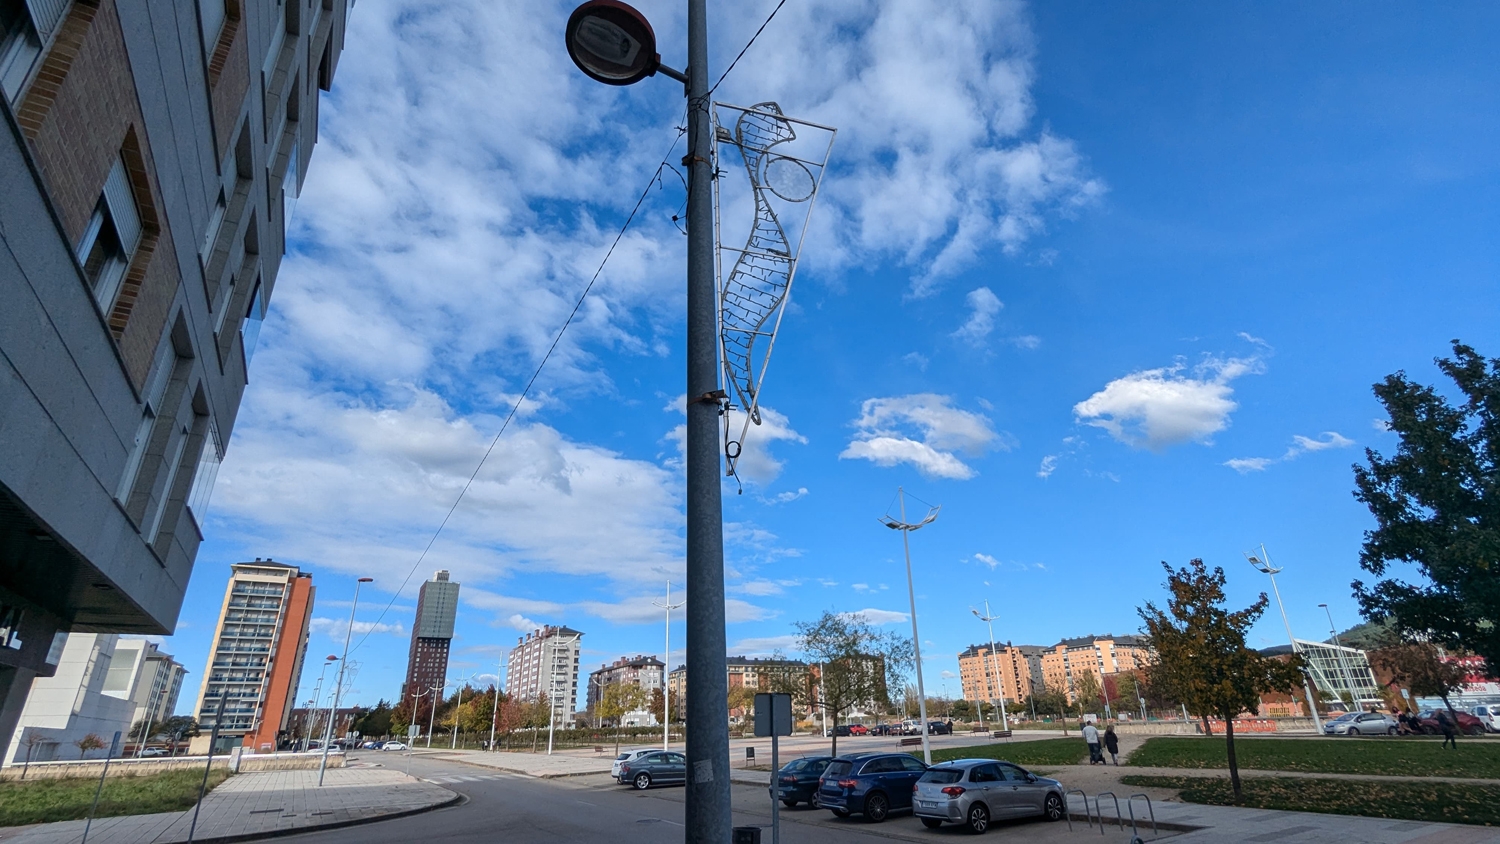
[
  {"x": 1112, "y": 744},
  {"x": 1091, "y": 737},
  {"x": 1450, "y": 735}
]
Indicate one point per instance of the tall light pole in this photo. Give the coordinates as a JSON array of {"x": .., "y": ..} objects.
[
  {"x": 495, "y": 710},
  {"x": 338, "y": 688},
  {"x": 432, "y": 716},
  {"x": 315, "y": 703},
  {"x": 995, "y": 673},
  {"x": 666, "y": 721},
  {"x": 1343, "y": 664},
  {"x": 1263, "y": 565},
  {"x": 613, "y": 43},
  {"x": 416, "y": 701},
  {"x": 916, "y": 642},
  {"x": 458, "y": 710}
]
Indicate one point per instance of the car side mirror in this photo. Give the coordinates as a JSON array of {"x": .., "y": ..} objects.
[{"x": 1031, "y": 777}]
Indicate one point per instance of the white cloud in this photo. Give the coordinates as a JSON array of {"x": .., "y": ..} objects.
[
  {"x": 987, "y": 560},
  {"x": 924, "y": 430},
  {"x": 756, "y": 464},
  {"x": 760, "y": 588},
  {"x": 1381, "y": 425},
  {"x": 1157, "y": 408},
  {"x": 983, "y": 306},
  {"x": 1300, "y": 445},
  {"x": 763, "y": 645},
  {"x": 938, "y": 157},
  {"x": 335, "y": 628},
  {"x": 522, "y": 623},
  {"x": 949, "y": 675},
  {"x": 1028, "y": 342},
  {"x": 1049, "y": 465},
  {"x": 860, "y": 587},
  {"x": 784, "y": 497},
  {"x": 916, "y": 358},
  {"x": 874, "y": 616}
]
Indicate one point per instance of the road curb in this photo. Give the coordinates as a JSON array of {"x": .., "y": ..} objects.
[{"x": 457, "y": 799}]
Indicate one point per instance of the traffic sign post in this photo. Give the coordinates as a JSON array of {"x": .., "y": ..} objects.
[{"x": 773, "y": 717}]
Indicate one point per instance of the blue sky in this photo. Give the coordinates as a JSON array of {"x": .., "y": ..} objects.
[{"x": 1110, "y": 284}]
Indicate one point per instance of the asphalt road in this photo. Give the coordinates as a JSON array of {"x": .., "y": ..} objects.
[{"x": 521, "y": 810}]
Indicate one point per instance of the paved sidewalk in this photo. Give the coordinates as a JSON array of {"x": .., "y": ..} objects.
[
  {"x": 1231, "y": 825},
  {"x": 257, "y": 805}
]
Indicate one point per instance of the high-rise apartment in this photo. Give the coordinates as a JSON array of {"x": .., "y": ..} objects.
[
  {"x": 648, "y": 672},
  {"x": 1004, "y": 675},
  {"x": 256, "y": 659},
  {"x": 150, "y": 679},
  {"x": 431, "y": 634},
  {"x": 1066, "y": 662},
  {"x": 151, "y": 152},
  {"x": 84, "y": 696},
  {"x": 544, "y": 664}
]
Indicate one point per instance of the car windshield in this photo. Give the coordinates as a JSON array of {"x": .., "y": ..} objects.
[
  {"x": 942, "y": 776},
  {"x": 837, "y": 768},
  {"x": 802, "y": 765},
  {"x": 1347, "y": 716},
  {"x": 622, "y": 757}
]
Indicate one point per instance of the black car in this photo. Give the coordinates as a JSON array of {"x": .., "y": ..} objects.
[
  {"x": 664, "y": 768},
  {"x": 797, "y": 781},
  {"x": 872, "y": 784},
  {"x": 939, "y": 728}
]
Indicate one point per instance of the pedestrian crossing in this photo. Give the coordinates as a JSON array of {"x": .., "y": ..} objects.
[{"x": 455, "y": 778}]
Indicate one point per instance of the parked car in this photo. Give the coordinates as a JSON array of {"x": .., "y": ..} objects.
[
  {"x": 393, "y": 745},
  {"x": 841, "y": 730},
  {"x": 885, "y": 730},
  {"x": 625, "y": 756},
  {"x": 939, "y": 728},
  {"x": 858, "y": 730},
  {"x": 153, "y": 752},
  {"x": 1361, "y": 724},
  {"x": 975, "y": 791},
  {"x": 660, "y": 767},
  {"x": 911, "y": 727},
  {"x": 871, "y": 784},
  {"x": 1466, "y": 723},
  {"x": 797, "y": 781},
  {"x": 1489, "y": 714}
]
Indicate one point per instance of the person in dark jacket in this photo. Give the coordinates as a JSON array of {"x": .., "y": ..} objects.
[
  {"x": 1112, "y": 744},
  {"x": 1450, "y": 733}
]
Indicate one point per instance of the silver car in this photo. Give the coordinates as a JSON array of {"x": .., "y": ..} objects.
[
  {"x": 1362, "y": 724},
  {"x": 974, "y": 791}
]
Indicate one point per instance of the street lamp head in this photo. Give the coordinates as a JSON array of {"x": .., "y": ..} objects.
[
  {"x": 612, "y": 42},
  {"x": 367, "y": 580},
  {"x": 1324, "y": 606},
  {"x": 975, "y": 612},
  {"x": 332, "y": 658}
]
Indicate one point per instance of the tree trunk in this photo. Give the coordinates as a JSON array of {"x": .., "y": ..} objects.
[
  {"x": 834, "y": 734},
  {"x": 533, "y": 739},
  {"x": 1234, "y": 765},
  {"x": 1208, "y": 728}
]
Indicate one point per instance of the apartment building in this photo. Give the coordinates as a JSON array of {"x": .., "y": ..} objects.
[
  {"x": 150, "y": 679},
  {"x": 151, "y": 152},
  {"x": 255, "y": 662},
  {"x": 431, "y": 635},
  {"x": 1064, "y": 663},
  {"x": 648, "y": 672},
  {"x": 1012, "y": 672},
  {"x": 544, "y": 663}
]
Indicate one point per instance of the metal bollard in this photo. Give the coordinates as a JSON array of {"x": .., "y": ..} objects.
[{"x": 1068, "y": 809}]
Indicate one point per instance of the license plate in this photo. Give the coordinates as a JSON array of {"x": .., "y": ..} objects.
[{"x": 926, "y": 805}]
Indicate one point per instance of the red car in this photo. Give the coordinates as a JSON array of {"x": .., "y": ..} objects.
[
  {"x": 1466, "y": 723},
  {"x": 862, "y": 730}
]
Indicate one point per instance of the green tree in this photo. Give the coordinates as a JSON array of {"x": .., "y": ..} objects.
[
  {"x": 375, "y": 722},
  {"x": 616, "y": 700},
  {"x": 1200, "y": 648},
  {"x": 1087, "y": 689},
  {"x": 1420, "y": 667},
  {"x": 962, "y": 710},
  {"x": 847, "y": 651},
  {"x": 87, "y": 743},
  {"x": 1436, "y": 503}
]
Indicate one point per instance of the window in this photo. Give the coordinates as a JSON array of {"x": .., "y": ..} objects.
[
  {"x": 985, "y": 773},
  {"x": 255, "y": 316},
  {"x": 215, "y": 222},
  {"x": 19, "y": 46},
  {"x": 156, "y": 386},
  {"x": 174, "y": 462},
  {"x": 110, "y": 238},
  {"x": 208, "y": 472}
]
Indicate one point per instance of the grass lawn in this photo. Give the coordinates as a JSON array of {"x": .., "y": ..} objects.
[
  {"x": 46, "y": 801},
  {"x": 1059, "y": 751},
  {"x": 1474, "y": 758},
  {"x": 1436, "y": 801}
]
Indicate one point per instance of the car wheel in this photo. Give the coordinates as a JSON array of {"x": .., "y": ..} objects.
[
  {"x": 1391, "y": 731},
  {"x": 877, "y": 807},
  {"x": 1352, "y": 732},
  {"x": 931, "y": 823},
  {"x": 841, "y": 813},
  {"x": 790, "y": 804},
  {"x": 1475, "y": 731},
  {"x": 642, "y": 781},
  {"x": 979, "y": 819},
  {"x": 1053, "y": 810}
]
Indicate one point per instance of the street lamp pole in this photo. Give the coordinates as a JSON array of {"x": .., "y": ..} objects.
[
  {"x": 339, "y": 686},
  {"x": 552, "y": 689},
  {"x": 1263, "y": 565},
  {"x": 495, "y": 710},
  {"x": 666, "y": 720},
  {"x": 1343, "y": 665},
  {"x": 995, "y": 672},
  {"x": 458, "y": 710},
  {"x": 432, "y": 716},
  {"x": 916, "y": 643}
]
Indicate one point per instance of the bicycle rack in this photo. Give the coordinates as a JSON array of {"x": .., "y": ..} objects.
[
  {"x": 1130, "y": 804},
  {"x": 1099, "y": 805},
  {"x": 1068, "y": 809}
]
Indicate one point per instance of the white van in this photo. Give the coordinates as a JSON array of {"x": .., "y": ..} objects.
[{"x": 1489, "y": 714}]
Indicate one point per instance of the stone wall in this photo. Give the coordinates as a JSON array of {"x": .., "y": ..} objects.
[{"x": 249, "y": 763}]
